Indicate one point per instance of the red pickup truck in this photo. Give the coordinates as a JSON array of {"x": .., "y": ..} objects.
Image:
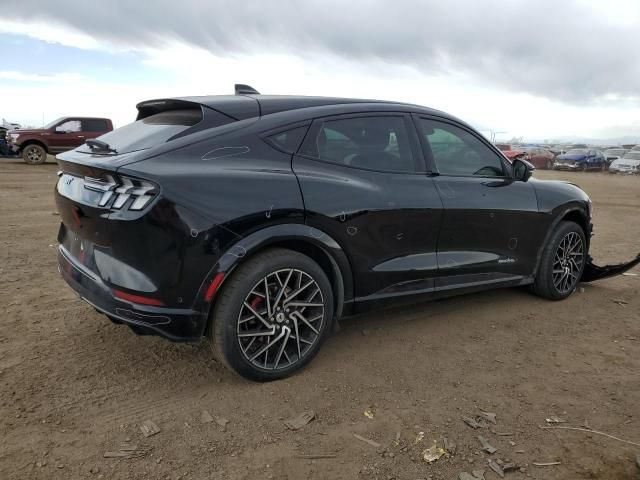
[{"x": 63, "y": 134}]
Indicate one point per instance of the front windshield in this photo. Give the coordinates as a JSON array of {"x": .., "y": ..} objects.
[
  {"x": 632, "y": 156},
  {"x": 52, "y": 124},
  {"x": 577, "y": 151},
  {"x": 614, "y": 151}
]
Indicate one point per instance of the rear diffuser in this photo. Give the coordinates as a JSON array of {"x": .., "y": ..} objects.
[{"x": 593, "y": 272}]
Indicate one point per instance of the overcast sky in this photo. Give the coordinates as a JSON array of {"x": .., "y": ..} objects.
[{"x": 532, "y": 68}]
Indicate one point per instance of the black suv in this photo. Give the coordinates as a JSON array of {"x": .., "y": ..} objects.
[{"x": 258, "y": 221}]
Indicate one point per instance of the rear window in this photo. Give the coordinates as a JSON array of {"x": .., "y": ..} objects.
[{"x": 150, "y": 131}]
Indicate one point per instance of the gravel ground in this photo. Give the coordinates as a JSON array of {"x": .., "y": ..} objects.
[{"x": 73, "y": 386}]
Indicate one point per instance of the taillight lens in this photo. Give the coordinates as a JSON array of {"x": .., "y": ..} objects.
[{"x": 120, "y": 192}]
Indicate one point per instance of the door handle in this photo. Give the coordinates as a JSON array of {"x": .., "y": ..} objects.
[{"x": 80, "y": 136}]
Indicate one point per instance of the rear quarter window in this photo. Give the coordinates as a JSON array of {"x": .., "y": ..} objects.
[{"x": 288, "y": 141}]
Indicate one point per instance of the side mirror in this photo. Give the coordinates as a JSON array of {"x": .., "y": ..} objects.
[{"x": 522, "y": 170}]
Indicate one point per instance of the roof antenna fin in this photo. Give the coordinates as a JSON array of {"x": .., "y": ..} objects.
[{"x": 242, "y": 89}]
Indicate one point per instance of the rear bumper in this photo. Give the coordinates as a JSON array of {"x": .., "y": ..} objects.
[{"x": 179, "y": 325}]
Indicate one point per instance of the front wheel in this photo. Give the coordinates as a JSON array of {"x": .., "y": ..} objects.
[
  {"x": 272, "y": 315},
  {"x": 562, "y": 262},
  {"x": 34, "y": 155}
]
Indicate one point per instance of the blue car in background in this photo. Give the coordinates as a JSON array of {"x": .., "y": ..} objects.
[{"x": 581, "y": 159}]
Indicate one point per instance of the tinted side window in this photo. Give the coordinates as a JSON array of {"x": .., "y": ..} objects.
[
  {"x": 458, "y": 152},
  {"x": 290, "y": 140},
  {"x": 376, "y": 143},
  {"x": 94, "y": 125}
]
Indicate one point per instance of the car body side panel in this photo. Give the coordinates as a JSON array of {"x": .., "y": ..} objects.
[
  {"x": 387, "y": 224},
  {"x": 490, "y": 226}
]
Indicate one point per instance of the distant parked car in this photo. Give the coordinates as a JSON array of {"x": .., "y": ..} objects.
[
  {"x": 540, "y": 157},
  {"x": 9, "y": 125},
  {"x": 511, "y": 151},
  {"x": 582, "y": 159},
  {"x": 636, "y": 148},
  {"x": 630, "y": 163},
  {"x": 58, "y": 136},
  {"x": 612, "y": 154}
]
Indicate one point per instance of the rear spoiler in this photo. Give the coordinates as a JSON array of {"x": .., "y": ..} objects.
[{"x": 151, "y": 107}]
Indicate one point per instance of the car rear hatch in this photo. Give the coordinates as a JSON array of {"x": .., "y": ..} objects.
[{"x": 111, "y": 222}]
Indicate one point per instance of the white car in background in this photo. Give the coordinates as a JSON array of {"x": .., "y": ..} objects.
[
  {"x": 630, "y": 163},
  {"x": 9, "y": 125}
]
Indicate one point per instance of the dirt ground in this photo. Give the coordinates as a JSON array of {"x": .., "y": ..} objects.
[{"x": 74, "y": 386}]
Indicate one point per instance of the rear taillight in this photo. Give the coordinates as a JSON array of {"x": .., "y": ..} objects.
[{"x": 120, "y": 192}]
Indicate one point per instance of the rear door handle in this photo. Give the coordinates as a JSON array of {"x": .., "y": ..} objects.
[{"x": 80, "y": 136}]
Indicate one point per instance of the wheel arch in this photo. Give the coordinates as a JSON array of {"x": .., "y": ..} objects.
[
  {"x": 33, "y": 141},
  {"x": 573, "y": 213},
  {"x": 309, "y": 241}
]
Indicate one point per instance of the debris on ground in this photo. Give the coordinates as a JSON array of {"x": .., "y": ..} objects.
[
  {"x": 396, "y": 442},
  {"x": 486, "y": 446},
  {"x": 596, "y": 432},
  {"x": 503, "y": 434},
  {"x": 450, "y": 446},
  {"x": 479, "y": 474},
  {"x": 222, "y": 422},
  {"x": 475, "y": 475},
  {"x": 373, "y": 443},
  {"x": 471, "y": 422},
  {"x": 317, "y": 456},
  {"x": 433, "y": 453},
  {"x": 493, "y": 465},
  {"x": 510, "y": 467},
  {"x": 638, "y": 461},
  {"x": 149, "y": 428},
  {"x": 488, "y": 416},
  {"x": 368, "y": 414},
  {"x": 554, "y": 419},
  {"x": 617, "y": 301},
  {"x": 545, "y": 464},
  {"x": 419, "y": 437},
  {"x": 128, "y": 450},
  {"x": 629, "y": 274},
  {"x": 482, "y": 420},
  {"x": 299, "y": 421},
  {"x": 205, "y": 417}
]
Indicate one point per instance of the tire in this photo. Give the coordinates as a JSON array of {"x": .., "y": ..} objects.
[
  {"x": 242, "y": 300},
  {"x": 549, "y": 165},
  {"x": 34, "y": 154},
  {"x": 559, "y": 273},
  {"x": 583, "y": 167}
]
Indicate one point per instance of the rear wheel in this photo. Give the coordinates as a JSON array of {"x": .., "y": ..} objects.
[
  {"x": 562, "y": 262},
  {"x": 272, "y": 315},
  {"x": 549, "y": 165},
  {"x": 34, "y": 154}
]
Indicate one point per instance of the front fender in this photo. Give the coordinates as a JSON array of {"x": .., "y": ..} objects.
[{"x": 273, "y": 235}]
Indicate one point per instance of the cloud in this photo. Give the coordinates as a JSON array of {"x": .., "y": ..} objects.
[
  {"x": 574, "y": 50},
  {"x": 31, "y": 77}
]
